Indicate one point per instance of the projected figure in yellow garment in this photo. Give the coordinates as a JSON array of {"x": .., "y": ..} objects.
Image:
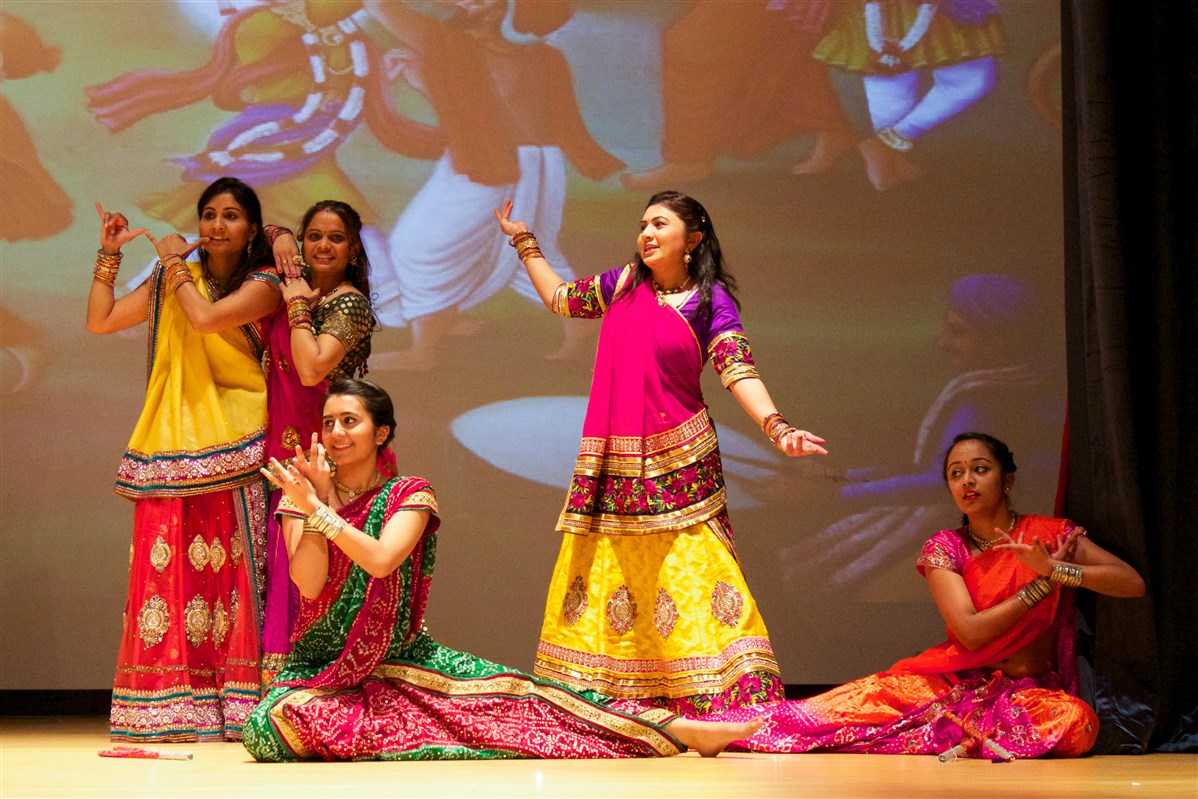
[
  {"x": 511, "y": 121},
  {"x": 896, "y": 44},
  {"x": 302, "y": 77}
]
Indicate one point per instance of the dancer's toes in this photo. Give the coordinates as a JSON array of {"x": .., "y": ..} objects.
[{"x": 668, "y": 173}]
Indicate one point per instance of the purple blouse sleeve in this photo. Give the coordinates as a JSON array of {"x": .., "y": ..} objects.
[
  {"x": 725, "y": 341},
  {"x": 945, "y": 550},
  {"x": 588, "y": 297}
]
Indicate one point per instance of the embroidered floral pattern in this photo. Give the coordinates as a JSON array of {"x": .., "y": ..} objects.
[
  {"x": 235, "y": 549},
  {"x": 665, "y": 613},
  {"x": 220, "y": 624},
  {"x": 216, "y": 556},
  {"x": 727, "y": 604},
  {"x": 290, "y": 439},
  {"x": 153, "y": 620},
  {"x": 284, "y": 367},
  {"x": 197, "y": 620},
  {"x": 644, "y": 496},
  {"x": 160, "y": 554},
  {"x": 621, "y": 610},
  {"x": 731, "y": 357},
  {"x": 575, "y": 602},
  {"x": 197, "y": 553},
  {"x": 580, "y": 299},
  {"x": 939, "y": 554}
]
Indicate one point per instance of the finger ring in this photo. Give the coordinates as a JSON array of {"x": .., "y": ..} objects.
[{"x": 298, "y": 260}]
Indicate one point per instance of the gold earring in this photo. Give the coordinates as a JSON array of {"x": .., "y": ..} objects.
[{"x": 686, "y": 259}]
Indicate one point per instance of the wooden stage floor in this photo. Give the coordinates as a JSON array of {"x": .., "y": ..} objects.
[{"x": 58, "y": 757}]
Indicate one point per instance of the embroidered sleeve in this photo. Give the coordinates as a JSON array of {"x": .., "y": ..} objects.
[
  {"x": 288, "y": 508},
  {"x": 267, "y": 274},
  {"x": 348, "y": 319},
  {"x": 939, "y": 553},
  {"x": 731, "y": 357},
  {"x": 411, "y": 493},
  {"x": 586, "y": 298}
]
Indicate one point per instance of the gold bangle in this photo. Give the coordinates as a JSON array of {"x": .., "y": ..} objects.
[
  {"x": 1067, "y": 575},
  {"x": 326, "y": 522},
  {"x": 1034, "y": 592}
]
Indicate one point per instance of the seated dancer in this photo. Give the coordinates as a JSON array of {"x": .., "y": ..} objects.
[
  {"x": 1004, "y": 583},
  {"x": 364, "y": 679}
]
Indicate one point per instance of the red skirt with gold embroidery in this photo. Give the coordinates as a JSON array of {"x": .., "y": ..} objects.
[{"x": 188, "y": 663}]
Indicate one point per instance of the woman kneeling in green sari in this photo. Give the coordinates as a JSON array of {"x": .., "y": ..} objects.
[{"x": 364, "y": 681}]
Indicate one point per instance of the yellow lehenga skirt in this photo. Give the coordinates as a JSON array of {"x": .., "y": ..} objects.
[{"x": 664, "y": 617}]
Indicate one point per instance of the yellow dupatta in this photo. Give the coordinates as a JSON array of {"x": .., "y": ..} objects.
[{"x": 203, "y": 424}]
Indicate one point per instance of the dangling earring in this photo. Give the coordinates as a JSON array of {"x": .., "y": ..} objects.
[
  {"x": 686, "y": 259},
  {"x": 249, "y": 249}
]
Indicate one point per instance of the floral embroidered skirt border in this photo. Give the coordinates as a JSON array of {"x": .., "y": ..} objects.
[
  {"x": 665, "y": 618},
  {"x": 188, "y": 663}
]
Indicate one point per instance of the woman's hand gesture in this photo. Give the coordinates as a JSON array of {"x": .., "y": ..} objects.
[
  {"x": 1035, "y": 555},
  {"x": 115, "y": 232},
  {"x": 173, "y": 244},
  {"x": 314, "y": 466},
  {"x": 297, "y": 487},
  {"x": 298, "y": 287},
  {"x": 288, "y": 260},
  {"x": 509, "y": 226},
  {"x": 798, "y": 443}
]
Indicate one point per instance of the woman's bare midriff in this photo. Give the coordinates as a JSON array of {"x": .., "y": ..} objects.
[{"x": 1033, "y": 660}]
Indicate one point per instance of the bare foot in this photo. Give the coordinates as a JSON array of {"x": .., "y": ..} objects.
[
  {"x": 829, "y": 146},
  {"x": 709, "y": 738},
  {"x": 403, "y": 361},
  {"x": 668, "y": 173},
  {"x": 886, "y": 167}
]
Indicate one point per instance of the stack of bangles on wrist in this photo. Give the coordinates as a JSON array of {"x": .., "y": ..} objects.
[
  {"x": 177, "y": 272},
  {"x": 324, "y": 522},
  {"x": 299, "y": 313},
  {"x": 1032, "y": 593},
  {"x": 526, "y": 245},
  {"x": 1066, "y": 575},
  {"x": 107, "y": 266},
  {"x": 776, "y": 428}
]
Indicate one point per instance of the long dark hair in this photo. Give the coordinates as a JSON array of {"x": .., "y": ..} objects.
[
  {"x": 259, "y": 254},
  {"x": 358, "y": 270},
  {"x": 376, "y": 402},
  {"x": 707, "y": 266},
  {"x": 999, "y": 450}
]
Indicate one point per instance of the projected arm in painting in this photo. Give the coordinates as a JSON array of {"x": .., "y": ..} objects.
[{"x": 512, "y": 123}]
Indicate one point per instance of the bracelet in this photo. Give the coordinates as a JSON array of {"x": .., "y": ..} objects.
[
  {"x": 1034, "y": 592},
  {"x": 1067, "y": 575},
  {"x": 325, "y": 522},
  {"x": 177, "y": 274},
  {"x": 299, "y": 313},
  {"x": 776, "y": 428},
  {"x": 518, "y": 238},
  {"x": 106, "y": 267}
]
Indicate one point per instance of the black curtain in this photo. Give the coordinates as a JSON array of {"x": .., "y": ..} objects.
[{"x": 1129, "y": 81}]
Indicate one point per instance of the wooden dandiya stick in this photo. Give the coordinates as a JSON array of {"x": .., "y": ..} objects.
[
  {"x": 145, "y": 754},
  {"x": 973, "y": 736}
]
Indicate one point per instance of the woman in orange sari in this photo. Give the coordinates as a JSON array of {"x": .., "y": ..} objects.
[{"x": 1004, "y": 583}]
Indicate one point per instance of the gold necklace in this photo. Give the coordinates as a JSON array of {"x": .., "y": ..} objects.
[
  {"x": 320, "y": 303},
  {"x": 985, "y": 543},
  {"x": 662, "y": 292},
  {"x": 353, "y": 493}
]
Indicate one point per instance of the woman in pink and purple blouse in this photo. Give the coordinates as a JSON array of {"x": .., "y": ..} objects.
[{"x": 648, "y": 601}]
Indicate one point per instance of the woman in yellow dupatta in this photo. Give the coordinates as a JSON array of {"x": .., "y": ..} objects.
[{"x": 188, "y": 663}]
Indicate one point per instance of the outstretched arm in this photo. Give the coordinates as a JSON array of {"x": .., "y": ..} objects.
[
  {"x": 544, "y": 279},
  {"x": 752, "y": 395}
]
